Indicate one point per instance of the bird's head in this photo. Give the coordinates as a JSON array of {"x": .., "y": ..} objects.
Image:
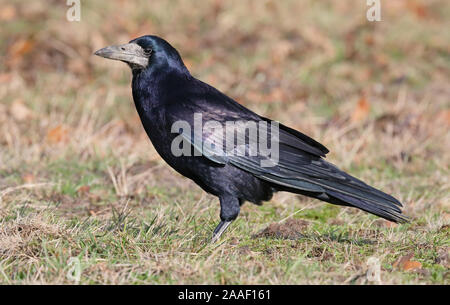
[{"x": 145, "y": 52}]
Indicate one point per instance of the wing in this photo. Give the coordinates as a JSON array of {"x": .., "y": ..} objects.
[{"x": 216, "y": 106}]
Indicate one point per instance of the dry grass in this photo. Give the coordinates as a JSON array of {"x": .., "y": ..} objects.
[{"x": 79, "y": 178}]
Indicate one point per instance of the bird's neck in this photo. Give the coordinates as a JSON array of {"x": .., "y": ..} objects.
[{"x": 153, "y": 86}]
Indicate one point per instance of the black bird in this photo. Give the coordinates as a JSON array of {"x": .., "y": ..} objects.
[{"x": 164, "y": 93}]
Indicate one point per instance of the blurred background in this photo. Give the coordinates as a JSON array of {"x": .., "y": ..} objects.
[
  {"x": 315, "y": 65},
  {"x": 375, "y": 93}
]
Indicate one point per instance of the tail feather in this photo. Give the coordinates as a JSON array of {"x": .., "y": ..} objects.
[
  {"x": 348, "y": 191},
  {"x": 365, "y": 195},
  {"x": 387, "y": 211}
]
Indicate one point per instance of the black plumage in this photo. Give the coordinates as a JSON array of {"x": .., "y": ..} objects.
[{"x": 165, "y": 92}]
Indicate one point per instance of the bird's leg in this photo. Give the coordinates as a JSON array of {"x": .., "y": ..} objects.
[
  {"x": 221, "y": 227},
  {"x": 229, "y": 211}
]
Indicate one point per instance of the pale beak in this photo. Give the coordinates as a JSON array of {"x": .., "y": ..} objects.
[{"x": 130, "y": 53}]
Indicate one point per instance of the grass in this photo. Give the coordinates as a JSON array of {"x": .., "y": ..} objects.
[{"x": 79, "y": 178}]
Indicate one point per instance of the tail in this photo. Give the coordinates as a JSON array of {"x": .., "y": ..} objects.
[
  {"x": 355, "y": 193},
  {"x": 385, "y": 209}
]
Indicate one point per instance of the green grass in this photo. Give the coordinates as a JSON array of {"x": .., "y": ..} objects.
[
  {"x": 162, "y": 245},
  {"x": 101, "y": 195}
]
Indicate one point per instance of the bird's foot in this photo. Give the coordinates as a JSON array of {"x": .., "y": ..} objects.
[{"x": 221, "y": 227}]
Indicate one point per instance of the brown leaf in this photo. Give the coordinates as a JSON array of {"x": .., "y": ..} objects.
[
  {"x": 28, "y": 178},
  {"x": 20, "y": 48},
  {"x": 411, "y": 265},
  {"x": 362, "y": 110},
  {"x": 58, "y": 134},
  {"x": 369, "y": 40},
  {"x": 399, "y": 262},
  {"x": 84, "y": 189},
  {"x": 406, "y": 264},
  {"x": 418, "y": 9}
]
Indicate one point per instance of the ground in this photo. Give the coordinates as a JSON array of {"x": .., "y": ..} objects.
[{"x": 84, "y": 197}]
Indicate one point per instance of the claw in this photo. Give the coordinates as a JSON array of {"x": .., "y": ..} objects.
[{"x": 221, "y": 227}]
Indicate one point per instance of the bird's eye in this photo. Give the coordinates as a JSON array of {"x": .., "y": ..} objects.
[{"x": 147, "y": 51}]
